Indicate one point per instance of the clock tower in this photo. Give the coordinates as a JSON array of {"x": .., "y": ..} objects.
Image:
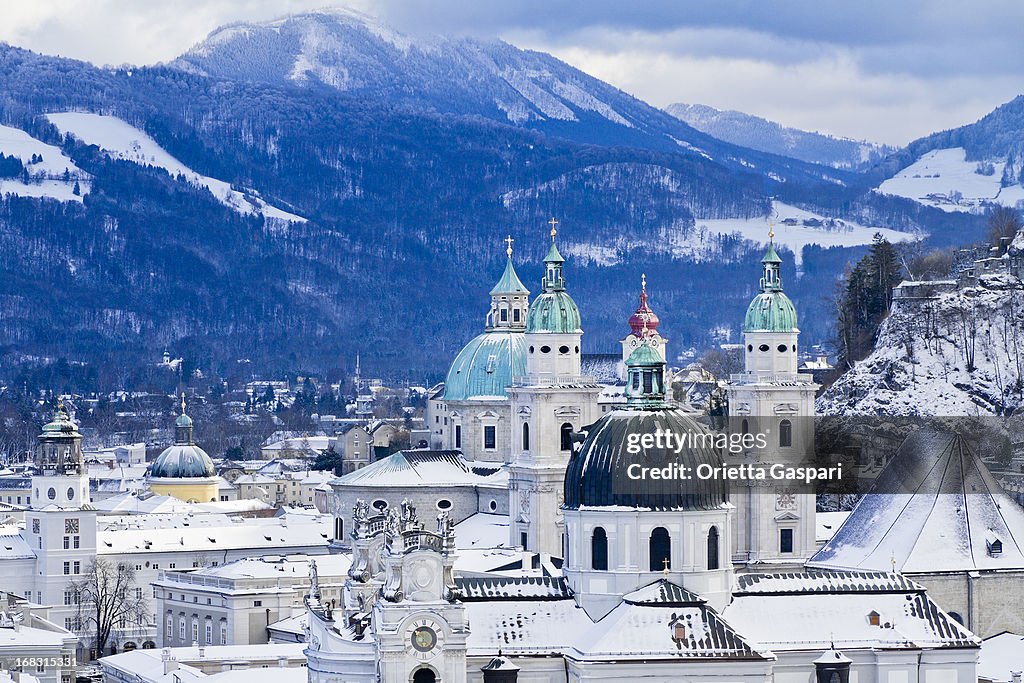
[
  {"x": 418, "y": 620},
  {"x": 61, "y": 525}
]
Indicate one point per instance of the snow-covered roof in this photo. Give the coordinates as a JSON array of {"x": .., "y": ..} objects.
[
  {"x": 275, "y": 566},
  {"x": 424, "y": 468},
  {"x": 935, "y": 507},
  {"x": 828, "y": 523},
  {"x": 130, "y": 503},
  {"x": 811, "y": 611},
  {"x": 1000, "y": 656},
  {"x": 524, "y": 627},
  {"x": 13, "y": 546},
  {"x": 664, "y": 620},
  {"x": 482, "y": 530},
  {"x": 514, "y": 588},
  {"x": 258, "y": 533}
]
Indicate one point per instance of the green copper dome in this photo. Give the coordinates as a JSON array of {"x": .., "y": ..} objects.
[
  {"x": 770, "y": 312},
  {"x": 182, "y": 461},
  {"x": 644, "y": 355},
  {"x": 485, "y": 366},
  {"x": 509, "y": 282},
  {"x": 554, "y": 312}
]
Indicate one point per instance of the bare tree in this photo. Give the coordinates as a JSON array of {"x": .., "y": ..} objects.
[
  {"x": 108, "y": 598},
  {"x": 1003, "y": 222}
]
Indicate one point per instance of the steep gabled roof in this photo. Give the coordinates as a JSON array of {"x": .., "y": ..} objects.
[{"x": 935, "y": 507}]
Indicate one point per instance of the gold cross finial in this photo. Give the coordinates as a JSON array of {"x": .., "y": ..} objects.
[
  {"x": 643, "y": 282},
  {"x": 554, "y": 224},
  {"x": 60, "y": 404},
  {"x": 183, "y": 403},
  {"x": 664, "y": 564},
  {"x": 508, "y": 249},
  {"x": 771, "y": 230}
]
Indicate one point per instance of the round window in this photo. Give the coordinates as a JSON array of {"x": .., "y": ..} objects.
[
  {"x": 71, "y": 493},
  {"x": 531, "y": 349},
  {"x": 762, "y": 347},
  {"x": 545, "y": 349},
  {"x": 493, "y": 505},
  {"x": 782, "y": 348},
  {"x": 750, "y": 347},
  {"x": 577, "y": 349},
  {"x": 380, "y": 504},
  {"x": 51, "y": 494},
  {"x": 563, "y": 349},
  {"x": 444, "y": 504}
]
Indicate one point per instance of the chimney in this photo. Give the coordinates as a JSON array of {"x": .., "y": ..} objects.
[
  {"x": 170, "y": 663},
  {"x": 282, "y": 662},
  {"x": 500, "y": 670}
]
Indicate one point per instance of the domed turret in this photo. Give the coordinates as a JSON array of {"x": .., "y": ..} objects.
[
  {"x": 184, "y": 470},
  {"x": 487, "y": 363},
  {"x": 553, "y": 329},
  {"x": 770, "y": 326},
  {"x": 627, "y": 527},
  {"x": 644, "y": 321}
]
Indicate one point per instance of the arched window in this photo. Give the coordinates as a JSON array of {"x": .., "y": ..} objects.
[
  {"x": 566, "y": 434},
  {"x": 599, "y": 550},
  {"x": 744, "y": 427},
  {"x": 661, "y": 549},
  {"x": 424, "y": 676},
  {"x": 339, "y": 528},
  {"x": 526, "y": 436},
  {"x": 713, "y": 548},
  {"x": 785, "y": 434}
]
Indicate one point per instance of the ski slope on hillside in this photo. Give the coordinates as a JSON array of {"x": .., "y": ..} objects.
[
  {"x": 54, "y": 177},
  {"x": 945, "y": 179},
  {"x": 795, "y": 228},
  {"x": 123, "y": 141}
]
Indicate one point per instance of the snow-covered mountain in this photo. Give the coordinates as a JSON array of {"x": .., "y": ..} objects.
[
  {"x": 965, "y": 169},
  {"x": 949, "y": 347},
  {"x": 352, "y": 53},
  {"x": 769, "y": 136}
]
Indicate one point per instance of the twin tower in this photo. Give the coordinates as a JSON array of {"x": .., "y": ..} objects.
[{"x": 516, "y": 394}]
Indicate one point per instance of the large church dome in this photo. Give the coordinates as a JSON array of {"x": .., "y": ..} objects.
[
  {"x": 184, "y": 459},
  {"x": 485, "y": 366},
  {"x": 597, "y": 475}
]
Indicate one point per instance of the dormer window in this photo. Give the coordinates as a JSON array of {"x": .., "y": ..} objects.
[
  {"x": 994, "y": 546},
  {"x": 874, "y": 618},
  {"x": 679, "y": 632}
]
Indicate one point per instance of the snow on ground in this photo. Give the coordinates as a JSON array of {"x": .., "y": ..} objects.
[
  {"x": 123, "y": 141},
  {"x": 945, "y": 179},
  {"x": 48, "y": 175},
  {"x": 794, "y": 228}
]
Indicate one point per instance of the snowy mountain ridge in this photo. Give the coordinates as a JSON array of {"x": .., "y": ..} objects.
[
  {"x": 948, "y": 347},
  {"x": 769, "y": 136}
]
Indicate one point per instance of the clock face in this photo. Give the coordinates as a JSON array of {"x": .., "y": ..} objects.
[
  {"x": 71, "y": 525},
  {"x": 425, "y": 638}
]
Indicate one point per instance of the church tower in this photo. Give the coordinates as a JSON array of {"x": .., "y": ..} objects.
[
  {"x": 550, "y": 404},
  {"x": 184, "y": 470},
  {"x": 61, "y": 526},
  {"x": 643, "y": 325},
  {"x": 623, "y": 534},
  {"x": 773, "y": 523}
]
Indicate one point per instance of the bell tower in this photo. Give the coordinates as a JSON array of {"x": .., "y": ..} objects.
[
  {"x": 61, "y": 525},
  {"x": 774, "y": 522},
  {"x": 550, "y": 404}
]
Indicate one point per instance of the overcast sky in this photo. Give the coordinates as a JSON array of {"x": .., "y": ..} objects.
[{"x": 885, "y": 71}]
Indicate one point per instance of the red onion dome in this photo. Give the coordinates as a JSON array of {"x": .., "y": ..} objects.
[{"x": 643, "y": 314}]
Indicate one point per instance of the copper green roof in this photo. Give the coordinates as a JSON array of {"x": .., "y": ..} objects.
[
  {"x": 771, "y": 256},
  {"x": 553, "y": 311},
  {"x": 485, "y": 366},
  {"x": 553, "y": 255},
  {"x": 509, "y": 282},
  {"x": 770, "y": 311},
  {"x": 644, "y": 355}
]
